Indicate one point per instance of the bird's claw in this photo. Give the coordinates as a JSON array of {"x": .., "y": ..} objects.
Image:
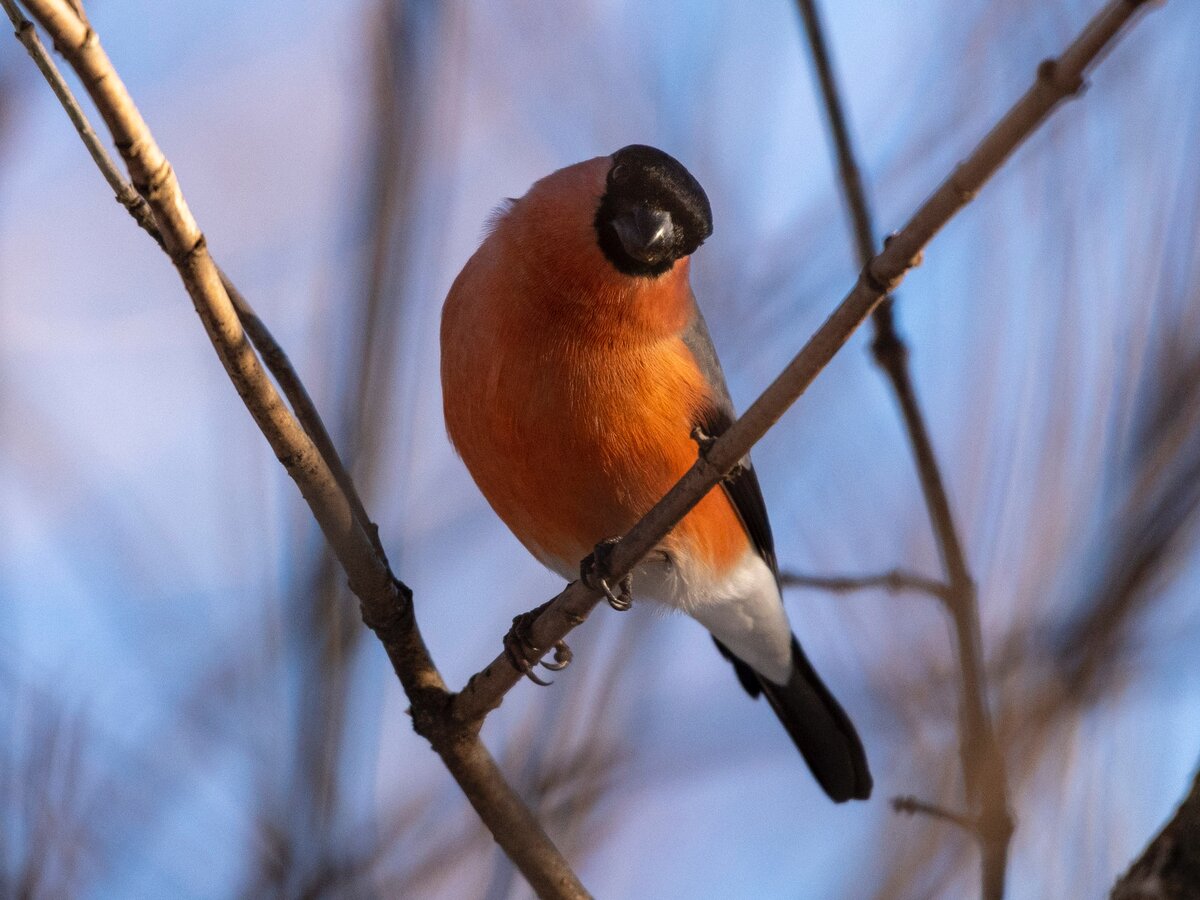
[
  {"x": 524, "y": 654},
  {"x": 622, "y": 601},
  {"x": 598, "y": 562},
  {"x": 562, "y": 657},
  {"x": 703, "y": 439}
]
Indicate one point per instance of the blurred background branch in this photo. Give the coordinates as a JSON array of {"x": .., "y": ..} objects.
[
  {"x": 1169, "y": 869},
  {"x": 386, "y": 603},
  {"x": 894, "y": 581},
  {"x": 981, "y": 758}
]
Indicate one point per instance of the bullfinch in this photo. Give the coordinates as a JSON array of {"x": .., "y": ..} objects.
[{"x": 577, "y": 378}]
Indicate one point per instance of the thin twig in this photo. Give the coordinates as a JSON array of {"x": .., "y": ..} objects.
[
  {"x": 982, "y": 762},
  {"x": 1055, "y": 81},
  {"x": 325, "y": 631},
  {"x": 370, "y": 383},
  {"x": 386, "y": 603},
  {"x": 273, "y": 355},
  {"x": 852, "y": 184},
  {"x": 911, "y": 806},
  {"x": 894, "y": 580}
]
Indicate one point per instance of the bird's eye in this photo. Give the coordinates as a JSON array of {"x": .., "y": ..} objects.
[{"x": 618, "y": 174}]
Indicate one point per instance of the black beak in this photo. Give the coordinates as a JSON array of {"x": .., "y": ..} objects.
[{"x": 648, "y": 235}]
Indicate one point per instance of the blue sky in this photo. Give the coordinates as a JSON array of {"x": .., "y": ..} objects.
[{"x": 149, "y": 584}]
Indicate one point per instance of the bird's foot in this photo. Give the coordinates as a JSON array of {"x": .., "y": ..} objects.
[
  {"x": 703, "y": 439},
  {"x": 593, "y": 572},
  {"x": 704, "y": 442},
  {"x": 525, "y": 655},
  {"x": 622, "y": 601},
  {"x": 562, "y": 657}
]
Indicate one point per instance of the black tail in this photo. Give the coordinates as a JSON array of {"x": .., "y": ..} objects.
[{"x": 818, "y": 725}]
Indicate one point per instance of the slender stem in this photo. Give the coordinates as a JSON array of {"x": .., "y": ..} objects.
[
  {"x": 852, "y": 183},
  {"x": 982, "y": 762},
  {"x": 911, "y": 806},
  {"x": 894, "y": 580},
  {"x": 985, "y": 779},
  {"x": 273, "y": 355},
  {"x": 306, "y": 451}
]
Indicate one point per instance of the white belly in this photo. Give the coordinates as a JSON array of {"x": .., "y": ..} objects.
[{"x": 743, "y": 609}]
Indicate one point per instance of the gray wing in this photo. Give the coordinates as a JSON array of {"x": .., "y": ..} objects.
[
  {"x": 742, "y": 489},
  {"x": 815, "y": 721}
]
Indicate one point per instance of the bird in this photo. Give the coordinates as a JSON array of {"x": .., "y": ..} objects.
[{"x": 579, "y": 382}]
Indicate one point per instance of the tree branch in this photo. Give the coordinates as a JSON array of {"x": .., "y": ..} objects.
[
  {"x": 1169, "y": 868},
  {"x": 984, "y": 775},
  {"x": 912, "y": 806},
  {"x": 158, "y": 205},
  {"x": 894, "y": 580},
  {"x": 1056, "y": 80},
  {"x": 273, "y": 355}
]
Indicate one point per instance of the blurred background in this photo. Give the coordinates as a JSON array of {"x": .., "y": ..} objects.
[{"x": 189, "y": 704}]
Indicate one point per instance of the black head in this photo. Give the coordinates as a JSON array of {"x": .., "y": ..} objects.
[{"x": 653, "y": 212}]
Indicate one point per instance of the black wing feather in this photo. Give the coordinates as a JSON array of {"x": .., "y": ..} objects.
[
  {"x": 815, "y": 721},
  {"x": 742, "y": 488},
  {"x": 744, "y": 492}
]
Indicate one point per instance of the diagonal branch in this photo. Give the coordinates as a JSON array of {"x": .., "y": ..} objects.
[
  {"x": 1169, "y": 867},
  {"x": 1056, "y": 80},
  {"x": 273, "y": 355},
  {"x": 982, "y": 762},
  {"x": 158, "y": 205},
  {"x": 911, "y": 806}
]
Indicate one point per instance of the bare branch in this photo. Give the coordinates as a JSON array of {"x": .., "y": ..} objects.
[
  {"x": 1056, "y": 80},
  {"x": 911, "y": 806},
  {"x": 273, "y": 355},
  {"x": 982, "y": 762},
  {"x": 1169, "y": 868},
  {"x": 386, "y": 603},
  {"x": 895, "y": 581},
  {"x": 852, "y": 184}
]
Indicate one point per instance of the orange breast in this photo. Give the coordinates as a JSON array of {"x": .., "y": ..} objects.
[{"x": 574, "y": 419}]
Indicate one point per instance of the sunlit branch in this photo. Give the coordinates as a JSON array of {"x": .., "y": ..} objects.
[
  {"x": 386, "y": 603},
  {"x": 273, "y": 355}
]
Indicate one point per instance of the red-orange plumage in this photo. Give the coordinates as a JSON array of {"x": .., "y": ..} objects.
[
  {"x": 575, "y": 366},
  {"x": 569, "y": 460}
]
